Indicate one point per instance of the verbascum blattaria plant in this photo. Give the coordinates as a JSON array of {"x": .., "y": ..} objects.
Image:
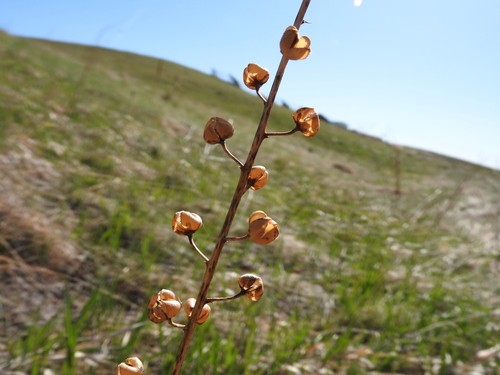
[{"x": 165, "y": 305}]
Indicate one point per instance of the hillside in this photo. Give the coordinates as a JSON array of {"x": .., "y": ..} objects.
[{"x": 388, "y": 259}]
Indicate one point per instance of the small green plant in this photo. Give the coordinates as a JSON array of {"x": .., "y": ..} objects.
[{"x": 165, "y": 305}]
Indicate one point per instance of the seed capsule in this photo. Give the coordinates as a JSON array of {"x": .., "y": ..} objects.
[
  {"x": 257, "y": 177},
  {"x": 307, "y": 121},
  {"x": 189, "y": 306},
  {"x": 254, "y": 76},
  {"x": 163, "y": 305},
  {"x": 186, "y": 223},
  {"x": 261, "y": 228},
  {"x": 293, "y": 46},
  {"x": 252, "y": 285},
  {"x": 217, "y": 130},
  {"x": 131, "y": 366}
]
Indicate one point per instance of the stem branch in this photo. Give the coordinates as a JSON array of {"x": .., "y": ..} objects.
[
  {"x": 262, "y": 97},
  {"x": 226, "y": 150},
  {"x": 191, "y": 241},
  {"x": 276, "y": 134},
  {"x": 223, "y": 299},
  {"x": 238, "y": 238},
  {"x": 176, "y": 325}
]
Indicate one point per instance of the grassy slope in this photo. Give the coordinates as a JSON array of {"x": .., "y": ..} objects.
[{"x": 98, "y": 149}]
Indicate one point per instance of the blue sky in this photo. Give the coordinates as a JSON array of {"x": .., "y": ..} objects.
[{"x": 422, "y": 73}]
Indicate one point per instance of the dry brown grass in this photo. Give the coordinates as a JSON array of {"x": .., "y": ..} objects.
[{"x": 37, "y": 254}]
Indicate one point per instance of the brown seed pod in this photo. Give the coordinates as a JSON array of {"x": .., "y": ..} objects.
[
  {"x": 256, "y": 215},
  {"x": 252, "y": 285},
  {"x": 261, "y": 228},
  {"x": 155, "y": 314},
  {"x": 163, "y": 305},
  {"x": 254, "y": 76},
  {"x": 189, "y": 306},
  {"x": 307, "y": 121},
  {"x": 293, "y": 46},
  {"x": 257, "y": 177},
  {"x": 217, "y": 130},
  {"x": 186, "y": 223},
  {"x": 131, "y": 366}
]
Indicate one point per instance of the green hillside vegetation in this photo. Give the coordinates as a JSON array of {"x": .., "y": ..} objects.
[{"x": 387, "y": 262}]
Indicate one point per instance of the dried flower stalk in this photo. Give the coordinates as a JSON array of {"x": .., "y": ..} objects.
[
  {"x": 241, "y": 188},
  {"x": 262, "y": 229}
]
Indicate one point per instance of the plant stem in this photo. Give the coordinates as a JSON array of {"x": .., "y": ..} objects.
[
  {"x": 277, "y": 134},
  {"x": 262, "y": 97},
  {"x": 191, "y": 241},
  {"x": 241, "y": 188},
  {"x": 222, "y": 299},
  {"x": 224, "y": 147},
  {"x": 238, "y": 238},
  {"x": 176, "y": 325}
]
